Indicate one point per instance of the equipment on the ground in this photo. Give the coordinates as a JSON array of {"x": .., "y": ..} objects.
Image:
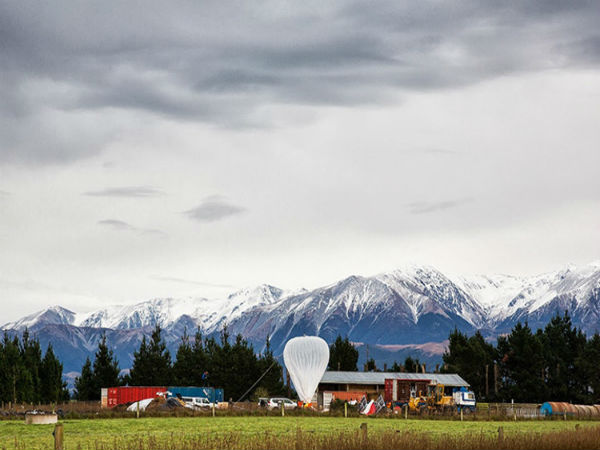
[{"x": 429, "y": 396}]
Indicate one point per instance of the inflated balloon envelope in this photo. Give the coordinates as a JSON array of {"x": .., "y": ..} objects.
[{"x": 306, "y": 359}]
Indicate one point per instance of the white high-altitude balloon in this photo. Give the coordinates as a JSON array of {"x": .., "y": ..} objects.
[{"x": 306, "y": 359}]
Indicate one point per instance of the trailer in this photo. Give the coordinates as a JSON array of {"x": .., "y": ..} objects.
[
  {"x": 128, "y": 394},
  {"x": 213, "y": 395}
]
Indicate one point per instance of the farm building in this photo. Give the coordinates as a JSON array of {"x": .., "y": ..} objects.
[{"x": 349, "y": 386}]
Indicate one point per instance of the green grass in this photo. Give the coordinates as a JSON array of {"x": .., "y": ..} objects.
[{"x": 94, "y": 433}]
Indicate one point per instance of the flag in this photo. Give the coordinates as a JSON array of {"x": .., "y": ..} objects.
[{"x": 380, "y": 405}]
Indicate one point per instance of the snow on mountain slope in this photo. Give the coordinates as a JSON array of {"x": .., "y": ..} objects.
[
  {"x": 419, "y": 284},
  {"x": 53, "y": 315},
  {"x": 510, "y": 299},
  {"x": 162, "y": 311},
  {"x": 206, "y": 313},
  {"x": 492, "y": 292},
  {"x": 396, "y": 308},
  {"x": 578, "y": 282},
  {"x": 391, "y": 312},
  {"x": 410, "y": 296}
]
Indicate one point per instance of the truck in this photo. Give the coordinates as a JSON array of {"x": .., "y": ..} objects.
[{"x": 428, "y": 396}]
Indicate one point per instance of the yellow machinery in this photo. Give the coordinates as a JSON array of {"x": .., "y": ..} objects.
[
  {"x": 434, "y": 401},
  {"x": 438, "y": 401}
]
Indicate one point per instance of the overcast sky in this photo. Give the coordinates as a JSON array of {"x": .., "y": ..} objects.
[{"x": 193, "y": 148}]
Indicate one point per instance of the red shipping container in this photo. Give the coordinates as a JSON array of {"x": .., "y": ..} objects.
[
  {"x": 128, "y": 394},
  {"x": 389, "y": 390}
]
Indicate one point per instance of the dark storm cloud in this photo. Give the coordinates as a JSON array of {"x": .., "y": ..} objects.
[
  {"x": 66, "y": 68},
  {"x": 127, "y": 191},
  {"x": 119, "y": 225},
  {"x": 429, "y": 207},
  {"x": 212, "y": 209}
]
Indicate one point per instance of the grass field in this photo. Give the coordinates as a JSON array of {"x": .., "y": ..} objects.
[{"x": 254, "y": 432}]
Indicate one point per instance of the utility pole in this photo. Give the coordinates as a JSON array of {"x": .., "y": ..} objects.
[
  {"x": 487, "y": 386},
  {"x": 496, "y": 378}
]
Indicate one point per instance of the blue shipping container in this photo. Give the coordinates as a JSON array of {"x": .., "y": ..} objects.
[{"x": 212, "y": 394}]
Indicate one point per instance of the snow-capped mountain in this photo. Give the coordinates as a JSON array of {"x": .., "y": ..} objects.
[
  {"x": 403, "y": 309},
  {"x": 55, "y": 315}
]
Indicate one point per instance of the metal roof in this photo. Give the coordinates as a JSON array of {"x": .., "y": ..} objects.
[{"x": 334, "y": 377}]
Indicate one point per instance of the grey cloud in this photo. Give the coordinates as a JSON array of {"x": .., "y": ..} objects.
[
  {"x": 128, "y": 191},
  {"x": 119, "y": 225},
  {"x": 429, "y": 207},
  {"x": 194, "y": 282},
  {"x": 212, "y": 209},
  {"x": 219, "y": 64},
  {"x": 116, "y": 224}
]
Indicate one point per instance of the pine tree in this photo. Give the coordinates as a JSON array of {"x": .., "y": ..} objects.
[
  {"x": 140, "y": 368},
  {"x": 343, "y": 355},
  {"x": 85, "y": 387},
  {"x": 244, "y": 370},
  {"x": 273, "y": 380},
  {"x": 184, "y": 367},
  {"x": 587, "y": 364},
  {"x": 561, "y": 344},
  {"x": 396, "y": 367},
  {"x": 412, "y": 365},
  {"x": 371, "y": 365},
  {"x": 152, "y": 362},
  {"x": 470, "y": 357},
  {"x": 106, "y": 369},
  {"x": 16, "y": 382},
  {"x": 31, "y": 353},
  {"x": 201, "y": 364},
  {"x": 52, "y": 388},
  {"x": 521, "y": 361}
]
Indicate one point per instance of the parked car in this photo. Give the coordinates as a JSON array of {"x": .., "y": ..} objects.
[
  {"x": 197, "y": 402},
  {"x": 276, "y": 402}
]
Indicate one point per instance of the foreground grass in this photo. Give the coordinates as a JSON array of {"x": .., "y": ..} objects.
[{"x": 294, "y": 432}]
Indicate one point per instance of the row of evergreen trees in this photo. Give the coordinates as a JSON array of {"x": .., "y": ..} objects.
[
  {"x": 557, "y": 363},
  {"x": 198, "y": 362},
  {"x": 26, "y": 376}
]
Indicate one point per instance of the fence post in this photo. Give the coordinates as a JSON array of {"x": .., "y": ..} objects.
[
  {"x": 461, "y": 414},
  {"x": 58, "y": 436},
  {"x": 282, "y": 410},
  {"x": 346, "y": 410},
  {"x": 500, "y": 434},
  {"x": 213, "y": 410},
  {"x": 406, "y": 411},
  {"x": 138, "y": 410},
  {"x": 363, "y": 429}
]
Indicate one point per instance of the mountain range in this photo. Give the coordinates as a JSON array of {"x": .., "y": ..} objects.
[{"x": 388, "y": 316}]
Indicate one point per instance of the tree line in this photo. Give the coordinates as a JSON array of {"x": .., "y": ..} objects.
[
  {"x": 232, "y": 366},
  {"x": 27, "y": 376},
  {"x": 556, "y": 363}
]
